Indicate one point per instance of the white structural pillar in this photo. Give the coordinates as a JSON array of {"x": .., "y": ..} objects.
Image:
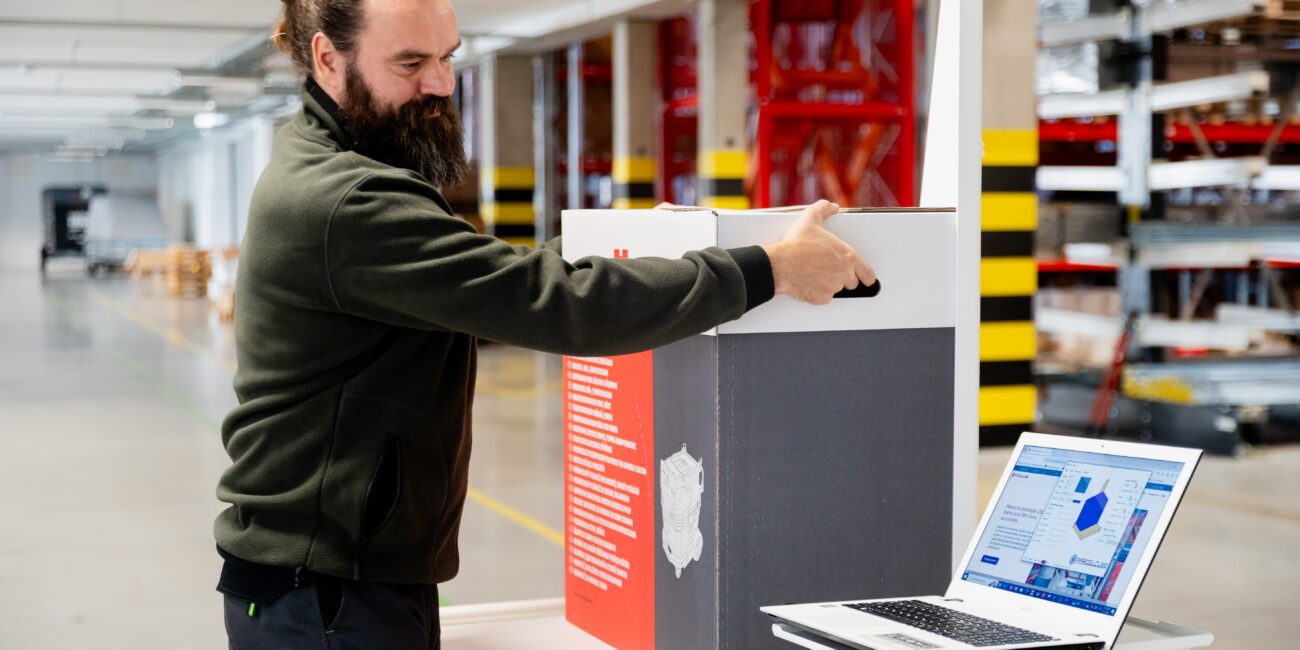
[
  {"x": 951, "y": 177},
  {"x": 636, "y": 53},
  {"x": 723, "y": 91},
  {"x": 1009, "y": 219},
  {"x": 506, "y": 152}
]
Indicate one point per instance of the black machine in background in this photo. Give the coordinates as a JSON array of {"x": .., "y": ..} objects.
[{"x": 64, "y": 211}]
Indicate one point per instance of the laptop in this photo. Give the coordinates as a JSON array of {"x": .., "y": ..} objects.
[{"x": 1055, "y": 562}]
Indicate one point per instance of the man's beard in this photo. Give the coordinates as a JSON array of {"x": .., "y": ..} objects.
[{"x": 406, "y": 136}]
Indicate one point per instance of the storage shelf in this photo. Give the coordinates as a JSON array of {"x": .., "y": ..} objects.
[
  {"x": 1160, "y": 18},
  {"x": 1163, "y": 97},
  {"x": 1210, "y": 172},
  {"x": 1247, "y": 382}
]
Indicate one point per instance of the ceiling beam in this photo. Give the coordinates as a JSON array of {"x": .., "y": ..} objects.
[
  {"x": 89, "y": 66},
  {"x": 107, "y": 24}
]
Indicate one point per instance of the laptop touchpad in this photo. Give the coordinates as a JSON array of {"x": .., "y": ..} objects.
[{"x": 896, "y": 640}]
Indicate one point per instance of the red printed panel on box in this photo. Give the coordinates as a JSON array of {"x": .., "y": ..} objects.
[{"x": 609, "y": 497}]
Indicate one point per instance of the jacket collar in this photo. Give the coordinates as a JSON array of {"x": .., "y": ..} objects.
[{"x": 317, "y": 103}]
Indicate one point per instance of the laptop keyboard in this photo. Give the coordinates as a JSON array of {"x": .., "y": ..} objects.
[{"x": 951, "y": 623}]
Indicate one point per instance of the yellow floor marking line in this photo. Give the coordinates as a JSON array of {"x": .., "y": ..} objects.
[
  {"x": 517, "y": 517},
  {"x": 175, "y": 338},
  {"x": 172, "y": 335},
  {"x": 485, "y": 387}
]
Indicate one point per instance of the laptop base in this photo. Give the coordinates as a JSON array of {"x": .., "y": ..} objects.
[{"x": 1138, "y": 634}]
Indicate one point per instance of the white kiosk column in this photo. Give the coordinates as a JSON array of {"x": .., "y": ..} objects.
[{"x": 951, "y": 177}]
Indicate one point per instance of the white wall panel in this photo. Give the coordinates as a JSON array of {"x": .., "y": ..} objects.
[
  {"x": 205, "y": 185},
  {"x": 24, "y": 176}
]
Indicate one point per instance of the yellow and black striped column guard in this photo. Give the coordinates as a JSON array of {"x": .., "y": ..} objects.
[
  {"x": 1008, "y": 281},
  {"x": 722, "y": 179},
  {"x": 634, "y": 183},
  {"x": 507, "y": 211}
]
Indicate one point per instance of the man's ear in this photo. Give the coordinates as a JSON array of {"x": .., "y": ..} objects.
[{"x": 327, "y": 65}]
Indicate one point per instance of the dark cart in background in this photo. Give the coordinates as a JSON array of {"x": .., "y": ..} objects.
[{"x": 64, "y": 210}]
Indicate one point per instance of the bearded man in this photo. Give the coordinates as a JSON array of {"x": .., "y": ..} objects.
[{"x": 361, "y": 299}]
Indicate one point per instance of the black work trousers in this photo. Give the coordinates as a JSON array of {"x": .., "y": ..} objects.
[{"x": 337, "y": 614}]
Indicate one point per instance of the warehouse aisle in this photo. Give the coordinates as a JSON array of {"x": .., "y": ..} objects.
[
  {"x": 111, "y": 399},
  {"x": 111, "y": 396}
]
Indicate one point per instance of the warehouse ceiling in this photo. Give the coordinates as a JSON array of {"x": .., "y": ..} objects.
[{"x": 81, "y": 78}]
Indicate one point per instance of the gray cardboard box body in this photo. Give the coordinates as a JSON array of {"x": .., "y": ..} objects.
[{"x": 822, "y": 436}]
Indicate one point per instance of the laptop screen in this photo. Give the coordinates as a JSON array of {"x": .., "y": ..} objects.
[{"x": 1069, "y": 526}]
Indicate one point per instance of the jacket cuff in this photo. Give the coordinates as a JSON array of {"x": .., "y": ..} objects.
[{"x": 760, "y": 286}]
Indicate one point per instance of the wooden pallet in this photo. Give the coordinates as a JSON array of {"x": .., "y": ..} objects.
[
  {"x": 1283, "y": 9},
  {"x": 221, "y": 289},
  {"x": 187, "y": 272},
  {"x": 143, "y": 263},
  {"x": 224, "y": 305}
]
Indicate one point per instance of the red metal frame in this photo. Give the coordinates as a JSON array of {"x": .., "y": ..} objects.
[
  {"x": 822, "y": 106},
  {"x": 1066, "y": 266},
  {"x": 1231, "y": 132},
  {"x": 818, "y": 97}
]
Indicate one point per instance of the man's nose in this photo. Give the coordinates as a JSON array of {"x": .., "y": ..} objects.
[{"x": 439, "y": 80}]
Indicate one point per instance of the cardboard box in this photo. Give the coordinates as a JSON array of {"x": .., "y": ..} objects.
[{"x": 799, "y": 453}]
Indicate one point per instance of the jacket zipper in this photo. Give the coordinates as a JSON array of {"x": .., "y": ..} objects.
[{"x": 363, "y": 539}]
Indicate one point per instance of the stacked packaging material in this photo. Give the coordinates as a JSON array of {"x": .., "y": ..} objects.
[{"x": 1068, "y": 69}]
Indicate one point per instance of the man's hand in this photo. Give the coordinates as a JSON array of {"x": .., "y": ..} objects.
[{"x": 812, "y": 265}]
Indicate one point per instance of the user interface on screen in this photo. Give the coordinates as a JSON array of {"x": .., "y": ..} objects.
[{"x": 1070, "y": 526}]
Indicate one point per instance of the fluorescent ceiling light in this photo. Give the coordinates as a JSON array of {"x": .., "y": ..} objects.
[
  {"x": 108, "y": 135},
  {"x": 209, "y": 120},
  {"x": 73, "y": 121},
  {"x": 243, "y": 85},
  {"x": 147, "y": 123},
  {"x": 57, "y": 157},
  {"x": 47, "y": 103},
  {"x": 175, "y": 105}
]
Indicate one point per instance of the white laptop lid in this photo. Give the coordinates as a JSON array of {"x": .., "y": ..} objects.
[{"x": 1072, "y": 529}]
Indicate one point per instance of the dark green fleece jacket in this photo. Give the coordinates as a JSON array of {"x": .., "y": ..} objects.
[{"x": 360, "y": 301}]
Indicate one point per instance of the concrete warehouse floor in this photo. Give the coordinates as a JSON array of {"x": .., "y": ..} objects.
[{"x": 111, "y": 397}]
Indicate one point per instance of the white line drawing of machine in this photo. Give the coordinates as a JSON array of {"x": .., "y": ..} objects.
[{"x": 681, "y": 486}]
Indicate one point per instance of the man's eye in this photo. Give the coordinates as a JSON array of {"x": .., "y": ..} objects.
[
  {"x": 409, "y": 67},
  {"x": 448, "y": 58}
]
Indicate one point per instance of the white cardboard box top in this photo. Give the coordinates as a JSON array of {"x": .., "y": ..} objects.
[{"x": 913, "y": 251}]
